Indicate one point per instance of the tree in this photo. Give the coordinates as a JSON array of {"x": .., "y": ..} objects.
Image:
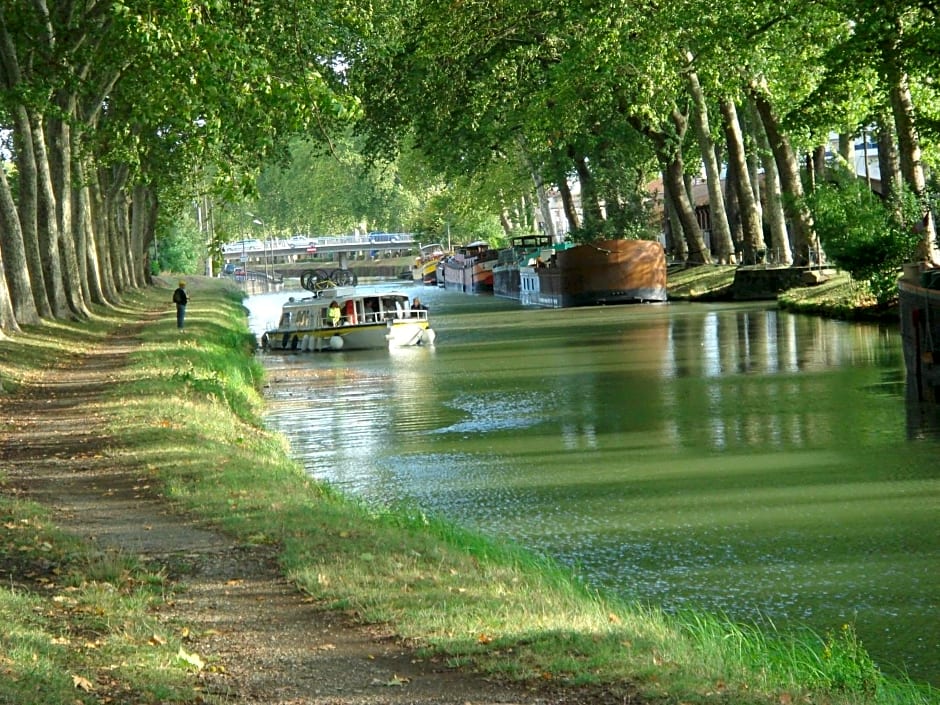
[{"x": 120, "y": 111}]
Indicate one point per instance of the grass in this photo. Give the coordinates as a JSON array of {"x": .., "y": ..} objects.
[
  {"x": 75, "y": 623},
  {"x": 698, "y": 283},
  {"x": 839, "y": 296},
  {"x": 189, "y": 408}
]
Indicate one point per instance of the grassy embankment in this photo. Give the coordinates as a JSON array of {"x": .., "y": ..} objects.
[
  {"x": 838, "y": 297},
  {"x": 85, "y": 617}
]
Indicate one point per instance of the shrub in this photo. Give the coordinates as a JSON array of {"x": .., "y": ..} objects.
[{"x": 868, "y": 237}]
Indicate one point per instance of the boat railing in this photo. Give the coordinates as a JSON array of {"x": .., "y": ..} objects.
[{"x": 410, "y": 314}]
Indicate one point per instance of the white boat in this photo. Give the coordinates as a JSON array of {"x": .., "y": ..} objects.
[{"x": 364, "y": 322}]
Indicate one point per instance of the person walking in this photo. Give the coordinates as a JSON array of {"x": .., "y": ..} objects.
[{"x": 180, "y": 299}]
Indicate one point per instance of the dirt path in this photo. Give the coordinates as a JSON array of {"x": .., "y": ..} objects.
[{"x": 269, "y": 645}]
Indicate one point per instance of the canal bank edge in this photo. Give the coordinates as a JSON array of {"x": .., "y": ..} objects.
[{"x": 818, "y": 292}]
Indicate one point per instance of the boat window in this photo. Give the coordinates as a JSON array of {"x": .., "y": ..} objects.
[{"x": 370, "y": 310}]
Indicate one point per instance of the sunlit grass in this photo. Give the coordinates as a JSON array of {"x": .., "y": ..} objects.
[
  {"x": 839, "y": 296},
  {"x": 187, "y": 409},
  {"x": 76, "y": 624},
  {"x": 696, "y": 282}
]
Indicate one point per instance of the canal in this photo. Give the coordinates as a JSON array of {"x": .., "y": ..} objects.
[{"x": 729, "y": 457}]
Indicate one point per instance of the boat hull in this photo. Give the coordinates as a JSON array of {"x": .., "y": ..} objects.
[
  {"x": 469, "y": 277},
  {"x": 469, "y": 269},
  {"x": 506, "y": 281},
  {"x": 362, "y": 337},
  {"x": 424, "y": 270},
  {"x": 523, "y": 251},
  {"x": 919, "y": 309},
  {"x": 428, "y": 274},
  {"x": 598, "y": 273}
]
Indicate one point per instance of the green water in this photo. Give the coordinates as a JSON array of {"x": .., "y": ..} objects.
[{"x": 729, "y": 458}]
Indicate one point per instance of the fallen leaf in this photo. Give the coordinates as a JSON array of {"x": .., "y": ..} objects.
[
  {"x": 82, "y": 683},
  {"x": 192, "y": 659}
]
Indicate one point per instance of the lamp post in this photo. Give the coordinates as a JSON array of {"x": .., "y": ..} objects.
[{"x": 264, "y": 241}]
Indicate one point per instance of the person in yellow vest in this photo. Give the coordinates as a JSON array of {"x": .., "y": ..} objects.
[{"x": 334, "y": 314}]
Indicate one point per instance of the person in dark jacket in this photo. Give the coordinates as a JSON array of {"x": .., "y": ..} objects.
[{"x": 180, "y": 299}]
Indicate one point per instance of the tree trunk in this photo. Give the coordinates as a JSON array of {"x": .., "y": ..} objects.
[
  {"x": 912, "y": 168},
  {"x": 118, "y": 215},
  {"x": 7, "y": 317},
  {"x": 48, "y": 224},
  {"x": 889, "y": 163},
  {"x": 26, "y": 218},
  {"x": 733, "y": 209},
  {"x": 85, "y": 226},
  {"x": 545, "y": 211},
  {"x": 754, "y": 170},
  {"x": 121, "y": 239},
  {"x": 505, "y": 222},
  {"x": 16, "y": 281},
  {"x": 754, "y": 246},
  {"x": 11, "y": 242},
  {"x": 721, "y": 231},
  {"x": 805, "y": 243},
  {"x": 773, "y": 208},
  {"x": 673, "y": 173},
  {"x": 143, "y": 215},
  {"x": 590, "y": 206},
  {"x": 847, "y": 151},
  {"x": 567, "y": 200},
  {"x": 676, "y": 241},
  {"x": 60, "y": 152},
  {"x": 100, "y": 225},
  {"x": 28, "y": 209},
  {"x": 819, "y": 163}
]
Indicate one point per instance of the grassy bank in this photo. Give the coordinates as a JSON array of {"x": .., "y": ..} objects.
[
  {"x": 191, "y": 406},
  {"x": 839, "y": 296}
]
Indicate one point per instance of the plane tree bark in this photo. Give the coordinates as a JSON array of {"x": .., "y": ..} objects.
[
  {"x": 805, "y": 243},
  {"x": 747, "y": 200},
  {"x": 721, "y": 231}
]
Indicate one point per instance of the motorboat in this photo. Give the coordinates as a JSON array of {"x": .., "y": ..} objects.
[
  {"x": 424, "y": 270},
  {"x": 338, "y": 317}
]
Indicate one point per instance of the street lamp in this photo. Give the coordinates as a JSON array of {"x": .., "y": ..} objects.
[{"x": 264, "y": 241}]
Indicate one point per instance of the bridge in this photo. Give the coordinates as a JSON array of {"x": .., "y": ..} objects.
[{"x": 343, "y": 247}]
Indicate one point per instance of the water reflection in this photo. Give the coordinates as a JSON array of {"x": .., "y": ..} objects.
[{"x": 731, "y": 457}]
